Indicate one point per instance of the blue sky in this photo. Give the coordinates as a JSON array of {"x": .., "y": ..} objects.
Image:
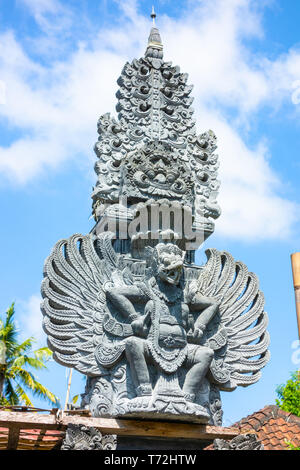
[{"x": 59, "y": 62}]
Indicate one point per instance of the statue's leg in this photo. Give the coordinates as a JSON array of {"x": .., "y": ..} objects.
[
  {"x": 136, "y": 355},
  {"x": 200, "y": 361}
]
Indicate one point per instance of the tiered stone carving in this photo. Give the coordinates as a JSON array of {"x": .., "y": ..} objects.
[
  {"x": 156, "y": 335},
  {"x": 156, "y": 132}
]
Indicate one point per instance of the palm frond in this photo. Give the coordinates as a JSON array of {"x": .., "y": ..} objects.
[
  {"x": 24, "y": 347},
  {"x": 10, "y": 326},
  {"x": 22, "y": 395},
  {"x": 41, "y": 391},
  {"x": 18, "y": 357},
  {"x": 36, "y": 388},
  {"x": 75, "y": 399},
  {"x": 6, "y": 333},
  {"x": 10, "y": 393},
  {"x": 33, "y": 362},
  {"x": 9, "y": 314},
  {"x": 24, "y": 376},
  {"x": 4, "y": 401},
  {"x": 43, "y": 354}
]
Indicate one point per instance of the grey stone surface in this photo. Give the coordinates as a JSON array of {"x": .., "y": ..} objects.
[
  {"x": 154, "y": 134},
  {"x": 242, "y": 442},
  {"x": 153, "y": 344},
  {"x": 157, "y": 336},
  {"x": 79, "y": 437}
]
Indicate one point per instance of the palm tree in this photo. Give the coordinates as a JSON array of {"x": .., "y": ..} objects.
[{"x": 15, "y": 380}]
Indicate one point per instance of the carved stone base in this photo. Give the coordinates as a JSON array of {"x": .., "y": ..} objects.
[
  {"x": 166, "y": 401},
  {"x": 163, "y": 406}
]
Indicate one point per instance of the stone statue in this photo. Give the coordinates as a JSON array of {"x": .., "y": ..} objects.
[
  {"x": 151, "y": 341},
  {"x": 160, "y": 335},
  {"x": 156, "y": 335}
]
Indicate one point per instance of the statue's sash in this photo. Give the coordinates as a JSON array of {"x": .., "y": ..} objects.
[{"x": 168, "y": 359}]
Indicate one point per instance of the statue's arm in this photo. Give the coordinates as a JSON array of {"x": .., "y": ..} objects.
[
  {"x": 208, "y": 308},
  {"x": 124, "y": 298},
  {"x": 132, "y": 293},
  {"x": 201, "y": 302}
]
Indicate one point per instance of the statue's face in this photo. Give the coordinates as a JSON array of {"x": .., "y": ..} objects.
[{"x": 170, "y": 268}]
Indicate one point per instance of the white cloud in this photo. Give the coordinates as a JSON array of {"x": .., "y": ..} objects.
[
  {"x": 283, "y": 76},
  {"x": 29, "y": 320},
  {"x": 252, "y": 208},
  {"x": 2, "y": 92},
  {"x": 40, "y": 7},
  {"x": 209, "y": 44},
  {"x": 51, "y": 15},
  {"x": 56, "y": 107}
]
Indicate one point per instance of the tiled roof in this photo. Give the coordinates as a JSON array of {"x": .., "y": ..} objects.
[
  {"x": 32, "y": 439},
  {"x": 24, "y": 437},
  {"x": 274, "y": 428}
]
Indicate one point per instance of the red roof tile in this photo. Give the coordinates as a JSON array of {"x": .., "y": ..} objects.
[{"x": 274, "y": 428}]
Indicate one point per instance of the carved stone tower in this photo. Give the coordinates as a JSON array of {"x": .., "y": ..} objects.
[
  {"x": 157, "y": 336},
  {"x": 152, "y": 156}
]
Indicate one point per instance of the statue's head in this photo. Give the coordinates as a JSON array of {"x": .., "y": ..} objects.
[
  {"x": 169, "y": 259},
  {"x": 156, "y": 171}
]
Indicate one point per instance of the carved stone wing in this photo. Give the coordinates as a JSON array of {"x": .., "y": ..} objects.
[
  {"x": 74, "y": 298},
  {"x": 238, "y": 334}
]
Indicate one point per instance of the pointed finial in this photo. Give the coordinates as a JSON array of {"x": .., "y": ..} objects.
[
  {"x": 153, "y": 15},
  {"x": 155, "y": 47}
]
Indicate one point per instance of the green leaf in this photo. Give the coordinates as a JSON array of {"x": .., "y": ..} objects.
[
  {"x": 43, "y": 354},
  {"x": 289, "y": 395},
  {"x": 18, "y": 357},
  {"x": 75, "y": 399}
]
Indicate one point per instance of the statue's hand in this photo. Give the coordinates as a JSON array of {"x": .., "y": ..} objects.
[
  {"x": 190, "y": 293},
  {"x": 108, "y": 287},
  {"x": 116, "y": 281},
  {"x": 139, "y": 328}
]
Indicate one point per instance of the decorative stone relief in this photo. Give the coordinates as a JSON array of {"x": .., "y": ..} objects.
[
  {"x": 80, "y": 437},
  {"x": 242, "y": 442},
  {"x": 156, "y": 335},
  {"x": 157, "y": 344},
  {"x": 155, "y": 119},
  {"x": 154, "y": 172}
]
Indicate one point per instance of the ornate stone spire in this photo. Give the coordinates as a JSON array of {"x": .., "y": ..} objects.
[
  {"x": 153, "y": 15},
  {"x": 156, "y": 124}
]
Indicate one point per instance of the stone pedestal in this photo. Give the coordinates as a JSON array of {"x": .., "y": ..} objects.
[
  {"x": 158, "y": 444},
  {"x": 81, "y": 437},
  {"x": 138, "y": 434}
]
